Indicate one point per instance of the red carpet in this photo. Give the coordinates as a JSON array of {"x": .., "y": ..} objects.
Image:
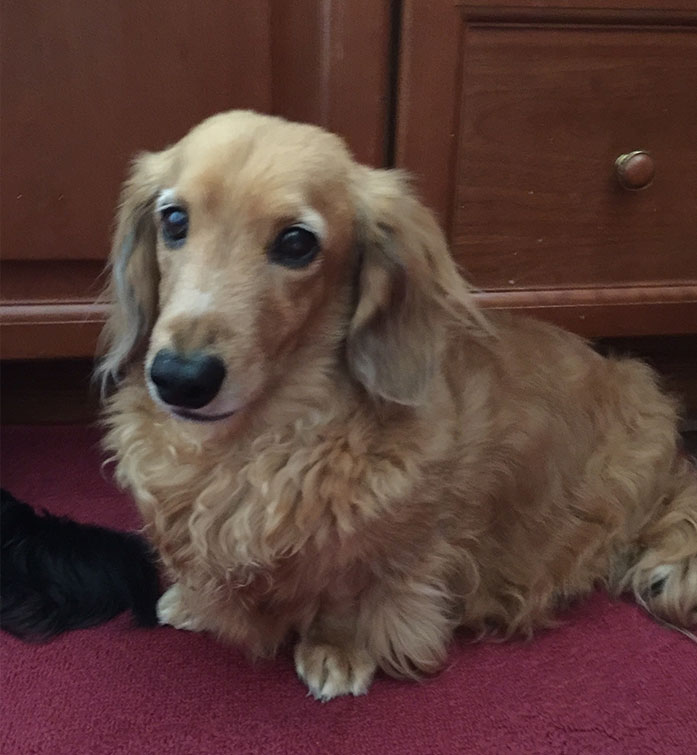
[{"x": 609, "y": 680}]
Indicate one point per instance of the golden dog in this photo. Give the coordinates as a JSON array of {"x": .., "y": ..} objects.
[{"x": 327, "y": 438}]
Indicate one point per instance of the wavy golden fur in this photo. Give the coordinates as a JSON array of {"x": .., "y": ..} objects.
[{"x": 399, "y": 463}]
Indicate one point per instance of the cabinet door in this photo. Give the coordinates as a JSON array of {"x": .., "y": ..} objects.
[
  {"x": 512, "y": 119},
  {"x": 86, "y": 85}
]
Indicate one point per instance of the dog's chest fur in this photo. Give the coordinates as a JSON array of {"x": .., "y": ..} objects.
[{"x": 284, "y": 515}]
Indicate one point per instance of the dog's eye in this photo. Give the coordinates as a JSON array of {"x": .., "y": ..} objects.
[
  {"x": 294, "y": 246},
  {"x": 175, "y": 225}
]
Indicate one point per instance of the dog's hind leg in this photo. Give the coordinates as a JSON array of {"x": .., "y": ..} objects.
[{"x": 663, "y": 577}]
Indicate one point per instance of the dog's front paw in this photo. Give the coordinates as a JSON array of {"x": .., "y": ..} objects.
[
  {"x": 330, "y": 671},
  {"x": 171, "y": 610}
]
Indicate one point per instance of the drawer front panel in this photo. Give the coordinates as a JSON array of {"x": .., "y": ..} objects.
[{"x": 544, "y": 111}]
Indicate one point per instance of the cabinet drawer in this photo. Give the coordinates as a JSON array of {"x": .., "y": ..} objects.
[
  {"x": 544, "y": 113},
  {"x": 511, "y": 115}
]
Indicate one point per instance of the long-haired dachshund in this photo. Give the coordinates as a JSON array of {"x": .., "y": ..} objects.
[{"x": 327, "y": 438}]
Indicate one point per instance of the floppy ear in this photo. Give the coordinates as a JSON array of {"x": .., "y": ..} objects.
[
  {"x": 134, "y": 277},
  {"x": 409, "y": 291}
]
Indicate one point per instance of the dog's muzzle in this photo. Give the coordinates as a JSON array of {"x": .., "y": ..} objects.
[{"x": 188, "y": 381}]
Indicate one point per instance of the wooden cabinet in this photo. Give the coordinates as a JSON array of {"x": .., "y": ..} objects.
[
  {"x": 86, "y": 85},
  {"x": 510, "y": 114},
  {"x": 512, "y": 119}
]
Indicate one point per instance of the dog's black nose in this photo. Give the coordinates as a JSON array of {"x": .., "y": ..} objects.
[{"x": 190, "y": 381}]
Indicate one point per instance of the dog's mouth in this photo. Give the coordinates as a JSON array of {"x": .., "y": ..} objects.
[{"x": 196, "y": 417}]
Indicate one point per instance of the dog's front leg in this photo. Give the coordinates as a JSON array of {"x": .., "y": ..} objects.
[
  {"x": 174, "y": 609},
  {"x": 329, "y": 659}
]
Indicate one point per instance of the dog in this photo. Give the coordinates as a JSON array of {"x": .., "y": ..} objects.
[
  {"x": 329, "y": 440},
  {"x": 59, "y": 575}
]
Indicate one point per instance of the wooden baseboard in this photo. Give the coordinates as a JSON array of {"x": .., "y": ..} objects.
[
  {"x": 635, "y": 312},
  {"x": 47, "y": 391}
]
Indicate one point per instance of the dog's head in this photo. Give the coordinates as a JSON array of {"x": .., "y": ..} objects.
[{"x": 253, "y": 240}]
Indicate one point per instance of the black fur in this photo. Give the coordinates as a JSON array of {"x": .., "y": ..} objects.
[{"x": 57, "y": 574}]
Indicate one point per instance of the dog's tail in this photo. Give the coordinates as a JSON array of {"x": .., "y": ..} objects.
[{"x": 57, "y": 574}]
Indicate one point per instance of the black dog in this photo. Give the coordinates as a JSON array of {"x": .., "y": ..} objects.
[{"x": 58, "y": 574}]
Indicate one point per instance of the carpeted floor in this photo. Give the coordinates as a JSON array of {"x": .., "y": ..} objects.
[{"x": 609, "y": 680}]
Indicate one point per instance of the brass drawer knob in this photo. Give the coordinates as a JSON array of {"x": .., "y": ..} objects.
[{"x": 635, "y": 170}]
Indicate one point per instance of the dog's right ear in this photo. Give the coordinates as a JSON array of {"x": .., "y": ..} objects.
[{"x": 132, "y": 290}]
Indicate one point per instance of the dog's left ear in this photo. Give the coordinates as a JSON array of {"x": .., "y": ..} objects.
[{"x": 409, "y": 290}]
